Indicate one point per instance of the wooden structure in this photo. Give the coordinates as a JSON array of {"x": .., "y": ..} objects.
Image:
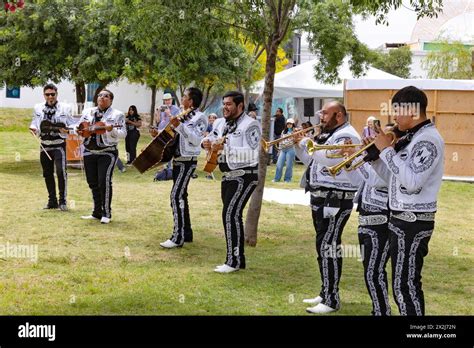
[{"x": 450, "y": 107}]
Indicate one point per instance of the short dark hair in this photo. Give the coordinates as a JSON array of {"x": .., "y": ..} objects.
[
  {"x": 237, "y": 97},
  {"x": 341, "y": 107},
  {"x": 281, "y": 110},
  {"x": 411, "y": 94},
  {"x": 195, "y": 95},
  {"x": 108, "y": 91},
  {"x": 50, "y": 86},
  {"x": 252, "y": 107}
]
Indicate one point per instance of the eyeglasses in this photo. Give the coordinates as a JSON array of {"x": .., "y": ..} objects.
[
  {"x": 104, "y": 95},
  {"x": 50, "y": 94}
]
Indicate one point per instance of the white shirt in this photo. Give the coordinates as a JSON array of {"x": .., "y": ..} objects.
[
  {"x": 415, "y": 173},
  {"x": 111, "y": 117},
  {"x": 242, "y": 146},
  {"x": 319, "y": 175},
  {"x": 63, "y": 114},
  {"x": 191, "y": 134}
]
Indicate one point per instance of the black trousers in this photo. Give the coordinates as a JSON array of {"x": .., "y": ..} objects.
[
  {"x": 99, "y": 168},
  {"x": 374, "y": 244},
  {"x": 182, "y": 172},
  {"x": 328, "y": 241},
  {"x": 131, "y": 141},
  {"x": 235, "y": 193},
  {"x": 58, "y": 156},
  {"x": 408, "y": 247}
]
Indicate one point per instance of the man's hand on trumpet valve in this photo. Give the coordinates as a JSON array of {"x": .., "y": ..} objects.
[
  {"x": 298, "y": 137},
  {"x": 347, "y": 151}
]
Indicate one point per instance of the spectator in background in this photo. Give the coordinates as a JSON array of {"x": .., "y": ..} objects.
[
  {"x": 252, "y": 110},
  {"x": 133, "y": 122},
  {"x": 278, "y": 128},
  {"x": 287, "y": 153},
  {"x": 210, "y": 119},
  {"x": 369, "y": 131},
  {"x": 163, "y": 115},
  {"x": 165, "y": 111}
]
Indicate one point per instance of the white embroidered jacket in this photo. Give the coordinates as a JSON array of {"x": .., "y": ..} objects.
[
  {"x": 372, "y": 188},
  {"x": 111, "y": 117},
  {"x": 63, "y": 115},
  {"x": 415, "y": 173},
  {"x": 242, "y": 146},
  {"x": 191, "y": 134},
  {"x": 319, "y": 175}
]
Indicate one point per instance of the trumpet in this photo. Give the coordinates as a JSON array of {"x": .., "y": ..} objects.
[
  {"x": 311, "y": 147},
  {"x": 347, "y": 162},
  {"x": 266, "y": 144}
]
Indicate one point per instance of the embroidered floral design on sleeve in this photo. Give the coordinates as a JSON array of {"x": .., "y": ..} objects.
[
  {"x": 422, "y": 156},
  {"x": 389, "y": 157},
  {"x": 253, "y": 136}
]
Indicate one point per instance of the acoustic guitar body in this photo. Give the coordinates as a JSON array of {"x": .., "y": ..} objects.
[{"x": 159, "y": 150}]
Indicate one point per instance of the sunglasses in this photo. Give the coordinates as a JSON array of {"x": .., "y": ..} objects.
[
  {"x": 104, "y": 95},
  {"x": 50, "y": 94}
]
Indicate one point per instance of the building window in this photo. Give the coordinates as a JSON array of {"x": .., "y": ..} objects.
[
  {"x": 91, "y": 88},
  {"x": 13, "y": 92}
]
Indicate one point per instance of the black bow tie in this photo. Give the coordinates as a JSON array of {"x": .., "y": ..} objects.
[{"x": 230, "y": 127}]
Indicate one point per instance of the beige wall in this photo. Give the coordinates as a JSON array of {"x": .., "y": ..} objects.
[{"x": 452, "y": 112}]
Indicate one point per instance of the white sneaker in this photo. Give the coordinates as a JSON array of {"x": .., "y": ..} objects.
[
  {"x": 313, "y": 301},
  {"x": 225, "y": 269},
  {"x": 105, "y": 220},
  {"x": 89, "y": 217},
  {"x": 320, "y": 309},
  {"x": 169, "y": 244}
]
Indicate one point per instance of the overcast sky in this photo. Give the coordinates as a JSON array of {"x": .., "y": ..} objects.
[{"x": 401, "y": 24}]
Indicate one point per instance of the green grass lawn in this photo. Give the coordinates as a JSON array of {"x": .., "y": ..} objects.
[{"x": 87, "y": 268}]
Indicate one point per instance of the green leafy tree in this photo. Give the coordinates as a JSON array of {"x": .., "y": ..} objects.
[
  {"x": 396, "y": 61},
  {"x": 451, "y": 60}
]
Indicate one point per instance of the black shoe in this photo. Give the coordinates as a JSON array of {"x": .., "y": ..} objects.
[
  {"x": 194, "y": 176},
  {"x": 63, "y": 207},
  {"x": 51, "y": 205}
]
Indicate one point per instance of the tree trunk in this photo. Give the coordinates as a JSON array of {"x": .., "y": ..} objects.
[
  {"x": 80, "y": 96},
  {"x": 253, "y": 214},
  {"x": 152, "y": 107}
]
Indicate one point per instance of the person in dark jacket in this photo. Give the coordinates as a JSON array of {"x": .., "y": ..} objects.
[{"x": 278, "y": 128}]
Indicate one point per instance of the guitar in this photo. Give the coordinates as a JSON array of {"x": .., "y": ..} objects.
[
  {"x": 212, "y": 158},
  {"x": 162, "y": 148}
]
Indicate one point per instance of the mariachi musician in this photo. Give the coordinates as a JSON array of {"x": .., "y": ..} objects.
[
  {"x": 413, "y": 169},
  {"x": 50, "y": 123},
  {"x": 237, "y": 135},
  {"x": 331, "y": 202},
  {"x": 185, "y": 153},
  {"x": 102, "y": 127},
  {"x": 372, "y": 201}
]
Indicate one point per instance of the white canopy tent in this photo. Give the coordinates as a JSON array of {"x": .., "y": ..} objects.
[{"x": 299, "y": 82}]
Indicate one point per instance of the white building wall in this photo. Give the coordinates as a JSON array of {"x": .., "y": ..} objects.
[{"x": 125, "y": 94}]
